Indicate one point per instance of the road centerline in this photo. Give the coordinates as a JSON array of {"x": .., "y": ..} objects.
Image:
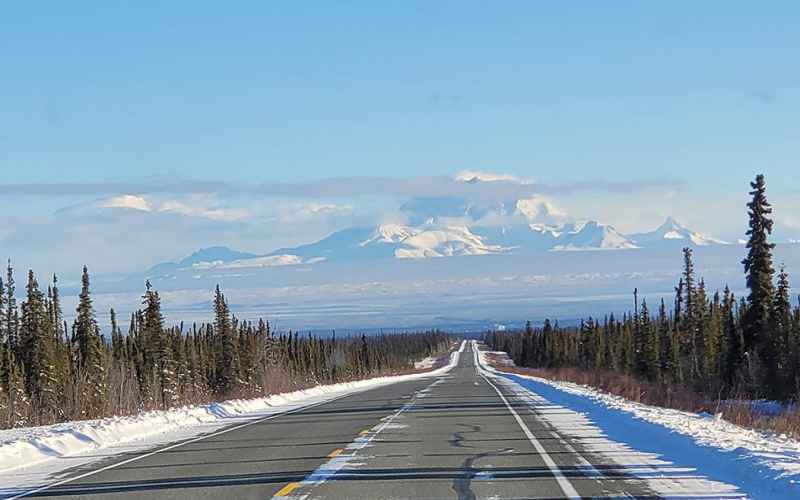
[
  {"x": 43, "y": 488},
  {"x": 331, "y": 467}
]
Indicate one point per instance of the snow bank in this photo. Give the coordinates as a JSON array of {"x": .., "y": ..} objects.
[
  {"x": 425, "y": 364},
  {"x": 760, "y": 464},
  {"x": 34, "y": 445},
  {"x": 429, "y": 363}
]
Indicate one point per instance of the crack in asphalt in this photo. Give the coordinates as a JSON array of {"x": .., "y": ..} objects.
[
  {"x": 458, "y": 437},
  {"x": 462, "y": 484}
]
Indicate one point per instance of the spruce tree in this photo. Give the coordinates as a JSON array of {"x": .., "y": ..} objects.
[
  {"x": 599, "y": 347},
  {"x": 84, "y": 326},
  {"x": 547, "y": 335},
  {"x": 732, "y": 341},
  {"x": 90, "y": 369},
  {"x": 4, "y": 365},
  {"x": 781, "y": 328},
  {"x": 18, "y": 402},
  {"x": 758, "y": 267},
  {"x": 56, "y": 312},
  {"x": 700, "y": 331},
  {"x": 713, "y": 343},
  {"x": 687, "y": 286},
  {"x": 653, "y": 348},
  {"x": 227, "y": 351},
  {"x": 666, "y": 363},
  {"x": 10, "y": 314},
  {"x": 159, "y": 349},
  {"x": 688, "y": 325},
  {"x": 117, "y": 341},
  {"x": 38, "y": 346}
]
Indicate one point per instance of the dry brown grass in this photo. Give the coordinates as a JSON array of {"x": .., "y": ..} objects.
[{"x": 666, "y": 396}]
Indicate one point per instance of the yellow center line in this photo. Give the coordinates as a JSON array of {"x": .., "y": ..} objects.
[
  {"x": 335, "y": 453},
  {"x": 283, "y": 492},
  {"x": 364, "y": 432}
]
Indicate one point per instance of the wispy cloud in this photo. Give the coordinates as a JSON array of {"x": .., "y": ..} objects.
[
  {"x": 113, "y": 188},
  {"x": 479, "y": 185},
  {"x": 479, "y": 175}
]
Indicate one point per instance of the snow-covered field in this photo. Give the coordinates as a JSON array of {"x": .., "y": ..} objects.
[
  {"x": 31, "y": 457},
  {"x": 676, "y": 453}
]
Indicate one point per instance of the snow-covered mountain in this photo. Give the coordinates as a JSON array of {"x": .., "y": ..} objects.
[
  {"x": 444, "y": 242},
  {"x": 393, "y": 240},
  {"x": 434, "y": 239},
  {"x": 203, "y": 258},
  {"x": 672, "y": 232},
  {"x": 592, "y": 235}
]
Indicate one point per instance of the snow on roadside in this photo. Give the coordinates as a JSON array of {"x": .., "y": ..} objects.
[
  {"x": 52, "y": 448},
  {"x": 760, "y": 464},
  {"x": 425, "y": 364}
]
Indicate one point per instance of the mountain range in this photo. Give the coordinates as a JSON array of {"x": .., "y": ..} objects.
[{"x": 437, "y": 238}]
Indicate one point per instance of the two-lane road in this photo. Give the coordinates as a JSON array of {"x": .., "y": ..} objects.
[{"x": 458, "y": 435}]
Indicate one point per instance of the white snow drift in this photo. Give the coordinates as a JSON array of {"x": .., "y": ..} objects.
[{"x": 678, "y": 454}]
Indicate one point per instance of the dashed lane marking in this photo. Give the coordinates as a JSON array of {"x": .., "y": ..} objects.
[
  {"x": 136, "y": 458},
  {"x": 286, "y": 490},
  {"x": 335, "y": 464}
]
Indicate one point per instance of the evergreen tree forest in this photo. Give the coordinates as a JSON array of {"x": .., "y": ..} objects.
[
  {"x": 715, "y": 343},
  {"x": 52, "y": 370}
]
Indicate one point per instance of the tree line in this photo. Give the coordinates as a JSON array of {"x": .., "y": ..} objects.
[
  {"x": 52, "y": 370},
  {"x": 717, "y": 344}
]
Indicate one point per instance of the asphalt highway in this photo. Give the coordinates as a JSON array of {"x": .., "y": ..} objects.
[{"x": 459, "y": 435}]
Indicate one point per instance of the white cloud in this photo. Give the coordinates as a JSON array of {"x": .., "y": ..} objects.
[
  {"x": 541, "y": 210},
  {"x": 205, "y": 207},
  {"x": 126, "y": 201},
  {"x": 220, "y": 214},
  {"x": 483, "y": 176}
]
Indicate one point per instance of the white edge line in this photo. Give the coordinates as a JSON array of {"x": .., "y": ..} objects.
[
  {"x": 567, "y": 487},
  {"x": 172, "y": 447}
]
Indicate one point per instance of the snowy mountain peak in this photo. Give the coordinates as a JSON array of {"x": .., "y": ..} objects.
[
  {"x": 592, "y": 235},
  {"x": 389, "y": 233},
  {"x": 445, "y": 241},
  {"x": 672, "y": 227},
  {"x": 673, "y": 231}
]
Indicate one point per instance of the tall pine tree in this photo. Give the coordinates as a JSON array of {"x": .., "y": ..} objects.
[
  {"x": 227, "y": 356},
  {"x": 90, "y": 369},
  {"x": 758, "y": 338}
]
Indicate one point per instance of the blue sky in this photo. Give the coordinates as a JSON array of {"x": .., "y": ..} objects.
[{"x": 700, "y": 93}]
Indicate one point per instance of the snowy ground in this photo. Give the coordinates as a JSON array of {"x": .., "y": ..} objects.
[
  {"x": 425, "y": 364},
  {"x": 430, "y": 362},
  {"x": 675, "y": 452},
  {"x": 34, "y": 456}
]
